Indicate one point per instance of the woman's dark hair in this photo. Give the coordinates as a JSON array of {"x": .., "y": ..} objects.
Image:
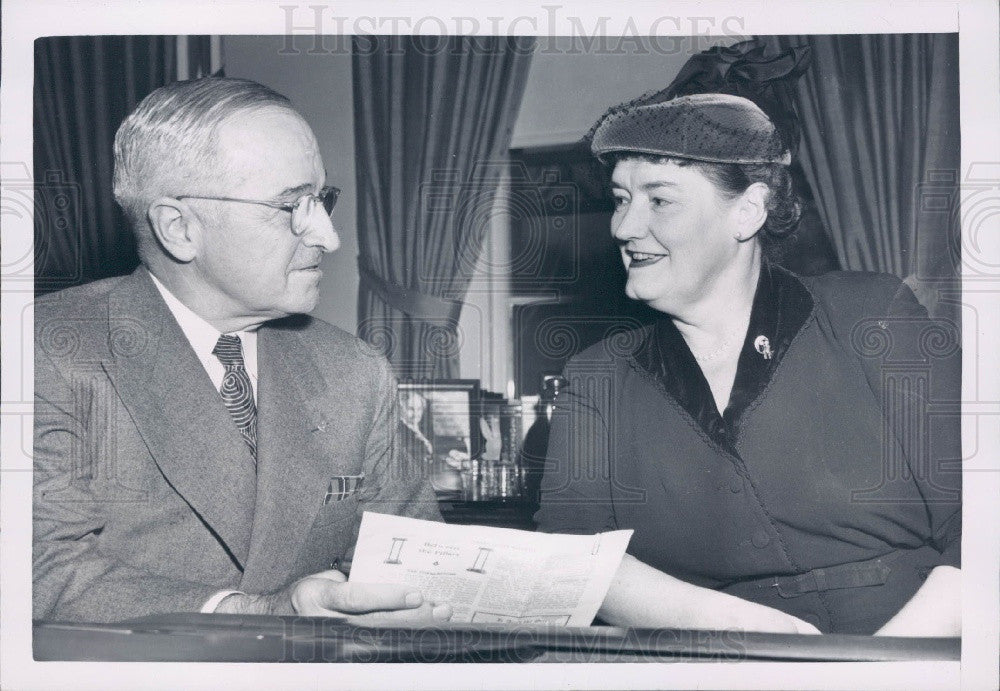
[{"x": 732, "y": 180}]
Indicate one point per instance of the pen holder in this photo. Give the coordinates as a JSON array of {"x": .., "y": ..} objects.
[
  {"x": 511, "y": 424},
  {"x": 471, "y": 490}
]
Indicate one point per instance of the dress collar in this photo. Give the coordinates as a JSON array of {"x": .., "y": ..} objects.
[{"x": 781, "y": 307}]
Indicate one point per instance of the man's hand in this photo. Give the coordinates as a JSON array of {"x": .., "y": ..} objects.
[{"x": 328, "y": 594}]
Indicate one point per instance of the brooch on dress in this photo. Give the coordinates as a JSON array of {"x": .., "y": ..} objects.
[{"x": 763, "y": 346}]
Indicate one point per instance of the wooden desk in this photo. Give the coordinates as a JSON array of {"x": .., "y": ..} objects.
[{"x": 235, "y": 638}]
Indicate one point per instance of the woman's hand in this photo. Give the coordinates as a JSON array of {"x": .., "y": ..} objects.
[
  {"x": 750, "y": 616},
  {"x": 681, "y": 605},
  {"x": 934, "y": 610}
]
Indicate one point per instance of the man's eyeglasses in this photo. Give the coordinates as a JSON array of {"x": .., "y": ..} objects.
[{"x": 327, "y": 196}]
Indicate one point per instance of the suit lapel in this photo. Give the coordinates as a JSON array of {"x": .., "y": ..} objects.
[
  {"x": 293, "y": 466},
  {"x": 179, "y": 413}
]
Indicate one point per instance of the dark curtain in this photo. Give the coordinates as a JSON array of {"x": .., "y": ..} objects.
[
  {"x": 433, "y": 118},
  {"x": 881, "y": 152},
  {"x": 84, "y": 88}
]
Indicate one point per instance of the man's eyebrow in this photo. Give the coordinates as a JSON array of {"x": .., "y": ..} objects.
[{"x": 296, "y": 191}]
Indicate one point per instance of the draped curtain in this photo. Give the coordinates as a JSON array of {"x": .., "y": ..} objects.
[
  {"x": 880, "y": 149},
  {"x": 84, "y": 88},
  {"x": 433, "y": 119}
]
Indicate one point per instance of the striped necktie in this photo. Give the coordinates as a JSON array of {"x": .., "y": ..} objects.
[{"x": 237, "y": 392}]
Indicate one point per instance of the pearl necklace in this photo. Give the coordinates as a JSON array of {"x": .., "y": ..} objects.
[{"x": 726, "y": 341}]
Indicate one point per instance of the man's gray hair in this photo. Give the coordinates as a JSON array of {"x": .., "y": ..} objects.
[{"x": 169, "y": 140}]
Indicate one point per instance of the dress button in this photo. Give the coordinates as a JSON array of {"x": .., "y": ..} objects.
[
  {"x": 736, "y": 486},
  {"x": 760, "y": 538}
]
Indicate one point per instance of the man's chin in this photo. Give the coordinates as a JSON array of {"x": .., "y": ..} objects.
[
  {"x": 307, "y": 304},
  {"x": 302, "y": 290},
  {"x": 299, "y": 304}
]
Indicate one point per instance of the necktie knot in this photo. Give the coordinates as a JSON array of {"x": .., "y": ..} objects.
[{"x": 229, "y": 350}]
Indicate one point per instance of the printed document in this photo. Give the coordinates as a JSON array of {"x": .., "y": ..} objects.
[{"x": 491, "y": 575}]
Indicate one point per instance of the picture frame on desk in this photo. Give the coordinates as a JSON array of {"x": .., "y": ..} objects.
[{"x": 439, "y": 428}]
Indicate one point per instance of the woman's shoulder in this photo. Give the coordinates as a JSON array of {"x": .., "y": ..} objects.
[
  {"x": 847, "y": 299},
  {"x": 852, "y": 284},
  {"x": 618, "y": 345},
  {"x": 857, "y": 293}
]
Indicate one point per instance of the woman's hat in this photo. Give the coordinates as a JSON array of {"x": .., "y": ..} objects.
[{"x": 718, "y": 128}]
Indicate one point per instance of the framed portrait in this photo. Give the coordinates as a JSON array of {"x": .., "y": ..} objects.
[{"x": 438, "y": 427}]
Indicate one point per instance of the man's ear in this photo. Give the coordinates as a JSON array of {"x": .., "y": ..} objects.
[
  {"x": 751, "y": 211},
  {"x": 175, "y": 227}
]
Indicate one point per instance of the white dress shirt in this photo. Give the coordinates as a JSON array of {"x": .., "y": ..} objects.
[{"x": 203, "y": 336}]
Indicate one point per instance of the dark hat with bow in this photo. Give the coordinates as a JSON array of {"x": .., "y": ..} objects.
[{"x": 727, "y": 105}]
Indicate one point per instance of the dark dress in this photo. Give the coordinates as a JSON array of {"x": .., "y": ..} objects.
[{"x": 829, "y": 487}]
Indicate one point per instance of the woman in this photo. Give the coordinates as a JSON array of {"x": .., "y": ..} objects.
[{"x": 741, "y": 436}]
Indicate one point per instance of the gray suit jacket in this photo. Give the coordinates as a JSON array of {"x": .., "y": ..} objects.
[{"x": 145, "y": 496}]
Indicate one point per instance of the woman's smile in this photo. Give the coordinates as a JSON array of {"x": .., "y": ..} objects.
[{"x": 637, "y": 260}]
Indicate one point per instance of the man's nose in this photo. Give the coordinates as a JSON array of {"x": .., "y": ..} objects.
[{"x": 321, "y": 234}]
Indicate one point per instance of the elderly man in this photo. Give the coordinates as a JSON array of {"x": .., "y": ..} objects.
[{"x": 200, "y": 444}]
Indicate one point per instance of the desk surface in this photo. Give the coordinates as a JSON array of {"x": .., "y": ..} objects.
[{"x": 235, "y": 638}]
